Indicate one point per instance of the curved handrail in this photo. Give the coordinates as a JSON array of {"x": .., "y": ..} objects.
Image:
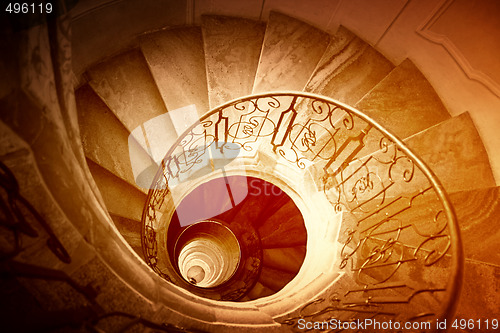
[{"x": 366, "y": 172}]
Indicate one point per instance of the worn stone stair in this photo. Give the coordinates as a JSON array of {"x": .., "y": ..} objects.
[
  {"x": 177, "y": 62},
  {"x": 104, "y": 138},
  {"x": 348, "y": 69},
  {"x": 120, "y": 197},
  {"x": 454, "y": 151},
  {"x": 290, "y": 52},
  {"x": 232, "y": 50},
  {"x": 404, "y": 102},
  {"x": 477, "y": 212}
]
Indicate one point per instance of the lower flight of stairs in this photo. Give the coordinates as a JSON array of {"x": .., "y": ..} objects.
[{"x": 242, "y": 204}]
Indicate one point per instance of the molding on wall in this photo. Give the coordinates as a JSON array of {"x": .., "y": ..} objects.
[
  {"x": 392, "y": 22},
  {"x": 471, "y": 72}
]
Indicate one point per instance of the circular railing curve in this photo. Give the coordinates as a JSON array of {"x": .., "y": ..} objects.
[{"x": 400, "y": 251}]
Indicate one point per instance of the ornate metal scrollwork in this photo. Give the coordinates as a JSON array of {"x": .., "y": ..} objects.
[{"x": 399, "y": 231}]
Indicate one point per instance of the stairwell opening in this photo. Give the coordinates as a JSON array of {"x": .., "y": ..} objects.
[
  {"x": 208, "y": 253},
  {"x": 236, "y": 238}
]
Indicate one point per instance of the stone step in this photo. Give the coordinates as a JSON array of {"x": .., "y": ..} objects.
[
  {"x": 229, "y": 211},
  {"x": 477, "y": 213},
  {"x": 177, "y": 62},
  {"x": 290, "y": 53},
  {"x": 288, "y": 259},
  {"x": 348, "y": 69},
  {"x": 258, "y": 198},
  {"x": 272, "y": 206},
  {"x": 232, "y": 50},
  {"x": 258, "y": 291},
  {"x": 131, "y": 232},
  {"x": 409, "y": 219},
  {"x": 104, "y": 138},
  {"x": 246, "y": 298},
  {"x": 452, "y": 150},
  {"x": 455, "y": 153},
  {"x": 404, "y": 102},
  {"x": 480, "y": 294},
  {"x": 127, "y": 87},
  {"x": 121, "y": 198},
  {"x": 284, "y": 228},
  {"x": 274, "y": 279}
]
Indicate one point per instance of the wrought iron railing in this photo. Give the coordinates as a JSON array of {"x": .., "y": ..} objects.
[{"x": 400, "y": 252}]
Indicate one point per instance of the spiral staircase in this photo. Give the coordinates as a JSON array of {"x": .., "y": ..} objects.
[{"x": 366, "y": 159}]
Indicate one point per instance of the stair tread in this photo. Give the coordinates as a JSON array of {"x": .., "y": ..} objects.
[
  {"x": 274, "y": 279},
  {"x": 259, "y": 290},
  {"x": 349, "y": 69},
  {"x": 121, "y": 198},
  {"x": 129, "y": 229},
  {"x": 271, "y": 207},
  {"x": 404, "y": 102},
  {"x": 290, "y": 53},
  {"x": 480, "y": 294},
  {"x": 285, "y": 228},
  {"x": 288, "y": 259},
  {"x": 232, "y": 50},
  {"x": 127, "y": 87},
  {"x": 131, "y": 232},
  {"x": 477, "y": 214},
  {"x": 455, "y": 153},
  {"x": 451, "y": 149},
  {"x": 177, "y": 62},
  {"x": 104, "y": 138},
  {"x": 257, "y": 200}
]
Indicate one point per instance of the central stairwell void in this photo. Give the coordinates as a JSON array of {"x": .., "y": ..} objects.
[
  {"x": 233, "y": 238},
  {"x": 324, "y": 208}
]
